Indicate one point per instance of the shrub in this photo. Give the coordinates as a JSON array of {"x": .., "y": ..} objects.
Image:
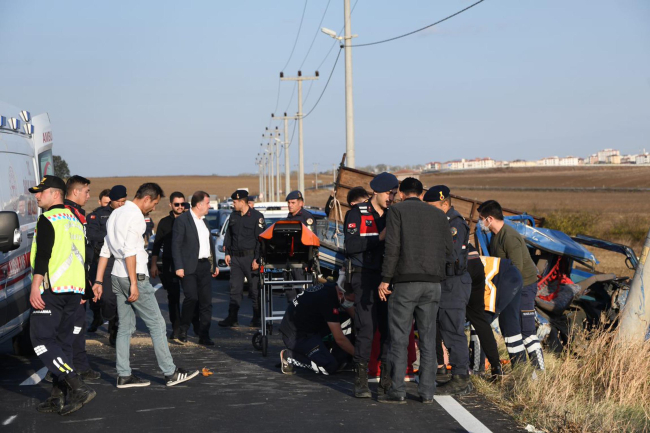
[{"x": 572, "y": 222}]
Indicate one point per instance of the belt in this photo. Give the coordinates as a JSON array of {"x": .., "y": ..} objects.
[
  {"x": 203, "y": 260},
  {"x": 242, "y": 253}
]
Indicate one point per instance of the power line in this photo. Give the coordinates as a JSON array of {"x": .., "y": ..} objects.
[
  {"x": 315, "y": 34},
  {"x": 297, "y": 35},
  {"x": 419, "y": 30},
  {"x": 328, "y": 81}
]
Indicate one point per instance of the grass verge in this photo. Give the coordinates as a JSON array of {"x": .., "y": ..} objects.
[{"x": 596, "y": 387}]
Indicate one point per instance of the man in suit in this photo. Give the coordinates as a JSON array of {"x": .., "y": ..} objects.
[{"x": 193, "y": 254}]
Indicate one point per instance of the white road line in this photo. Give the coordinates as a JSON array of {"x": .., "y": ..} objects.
[
  {"x": 460, "y": 414},
  {"x": 157, "y": 286},
  {"x": 155, "y": 408},
  {"x": 81, "y": 420},
  {"x": 35, "y": 378},
  {"x": 9, "y": 420}
]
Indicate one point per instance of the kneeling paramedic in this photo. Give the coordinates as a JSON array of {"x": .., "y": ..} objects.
[{"x": 313, "y": 314}]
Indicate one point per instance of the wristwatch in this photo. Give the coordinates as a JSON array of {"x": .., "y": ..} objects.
[{"x": 99, "y": 282}]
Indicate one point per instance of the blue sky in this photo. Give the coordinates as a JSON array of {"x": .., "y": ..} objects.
[{"x": 174, "y": 88}]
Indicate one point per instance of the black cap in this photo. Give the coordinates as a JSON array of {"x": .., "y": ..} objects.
[
  {"x": 239, "y": 194},
  {"x": 294, "y": 195},
  {"x": 48, "y": 182},
  {"x": 437, "y": 193},
  {"x": 118, "y": 192},
  {"x": 384, "y": 182}
]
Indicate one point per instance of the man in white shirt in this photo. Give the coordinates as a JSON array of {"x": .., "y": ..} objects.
[
  {"x": 193, "y": 253},
  {"x": 130, "y": 283}
]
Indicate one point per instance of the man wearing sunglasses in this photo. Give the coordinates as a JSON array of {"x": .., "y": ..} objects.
[{"x": 168, "y": 276}]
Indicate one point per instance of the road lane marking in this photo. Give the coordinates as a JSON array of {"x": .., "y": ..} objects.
[
  {"x": 247, "y": 404},
  {"x": 155, "y": 408},
  {"x": 81, "y": 420},
  {"x": 157, "y": 286},
  {"x": 35, "y": 378},
  {"x": 9, "y": 420},
  {"x": 461, "y": 415}
]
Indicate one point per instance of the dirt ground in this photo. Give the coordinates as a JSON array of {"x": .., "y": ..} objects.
[{"x": 608, "y": 207}]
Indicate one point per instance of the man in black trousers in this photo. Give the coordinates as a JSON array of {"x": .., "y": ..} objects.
[
  {"x": 193, "y": 254},
  {"x": 417, "y": 249},
  {"x": 168, "y": 276}
]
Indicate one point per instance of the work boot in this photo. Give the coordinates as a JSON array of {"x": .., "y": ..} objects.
[
  {"x": 442, "y": 375},
  {"x": 79, "y": 394},
  {"x": 112, "y": 332},
  {"x": 384, "y": 377},
  {"x": 460, "y": 384},
  {"x": 496, "y": 373},
  {"x": 96, "y": 323},
  {"x": 54, "y": 402},
  {"x": 231, "y": 320},
  {"x": 256, "y": 321},
  {"x": 361, "y": 389}
]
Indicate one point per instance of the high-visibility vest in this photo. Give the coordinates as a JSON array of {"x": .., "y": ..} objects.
[
  {"x": 66, "y": 269},
  {"x": 491, "y": 265}
]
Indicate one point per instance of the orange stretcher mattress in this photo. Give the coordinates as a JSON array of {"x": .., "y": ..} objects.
[{"x": 307, "y": 237}]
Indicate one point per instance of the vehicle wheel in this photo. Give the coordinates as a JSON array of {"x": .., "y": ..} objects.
[
  {"x": 265, "y": 345},
  {"x": 22, "y": 343},
  {"x": 257, "y": 340}
]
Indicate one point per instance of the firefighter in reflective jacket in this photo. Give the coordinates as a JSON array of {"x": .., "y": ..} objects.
[
  {"x": 364, "y": 246},
  {"x": 455, "y": 294}
]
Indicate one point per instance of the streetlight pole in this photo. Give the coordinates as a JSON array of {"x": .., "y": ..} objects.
[
  {"x": 316, "y": 174},
  {"x": 301, "y": 167},
  {"x": 349, "y": 105}
]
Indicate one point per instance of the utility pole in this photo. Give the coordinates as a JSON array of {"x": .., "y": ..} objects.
[
  {"x": 263, "y": 165},
  {"x": 315, "y": 174},
  {"x": 275, "y": 159},
  {"x": 287, "y": 166},
  {"x": 301, "y": 167},
  {"x": 349, "y": 105},
  {"x": 258, "y": 162},
  {"x": 634, "y": 320},
  {"x": 333, "y": 174}
]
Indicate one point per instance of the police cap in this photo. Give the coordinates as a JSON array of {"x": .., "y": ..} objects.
[
  {"x": 118, "y": 192},
  {"x": 437, "y": 193},
  {"x": 239, "y": 194},
  {"x": 48, "y": 182},
  {"x": 384, "y": 182},
  {"x": 294, "y": 195}
]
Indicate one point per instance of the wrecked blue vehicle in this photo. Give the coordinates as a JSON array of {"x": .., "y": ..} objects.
[{"x": 571, "y": 295}]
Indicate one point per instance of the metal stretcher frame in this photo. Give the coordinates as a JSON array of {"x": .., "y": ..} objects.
[{"x": 278, "y": 276}]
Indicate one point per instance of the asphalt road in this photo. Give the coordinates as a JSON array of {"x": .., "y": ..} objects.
[{"x": 247, "y": 392}]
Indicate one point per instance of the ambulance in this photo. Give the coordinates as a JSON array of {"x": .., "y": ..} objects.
[{"x": 25, "y": 156}]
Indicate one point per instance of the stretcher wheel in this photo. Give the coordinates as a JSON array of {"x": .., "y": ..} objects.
[
  {"x": 265, "y": 345},
  {"x": 257, "y": 340}
]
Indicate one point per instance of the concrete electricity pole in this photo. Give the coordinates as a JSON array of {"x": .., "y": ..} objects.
[
  {"x": 275, "y": 154},
  {"x": 315, "y": 174},
  {"x": 349, "y": 105},
  {"x": 263, "y": 164},
  {"x": 634, "y": 320},
  {"x": 287, "y": 166},
  {"x": 301, "y": 167}
]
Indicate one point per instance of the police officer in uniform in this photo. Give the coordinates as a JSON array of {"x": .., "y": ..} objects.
[
  {"x": 96, "y": 231},
  {"x": 456, "y": 290},
  {"x": 364, "y": 246},
  {"x": 243, "y": 250},
  {"x": 297, "y": 211},
  {"x": 58, "y": 282}
]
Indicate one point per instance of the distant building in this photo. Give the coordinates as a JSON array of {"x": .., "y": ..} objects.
[
  {"x": 614, "y": 159},
  {"x": 403, "y": 174},
  {"x": 643, "y": 158},
  {"x": 593, "y": 159},
  {"x": 469, "y": 164},
  {"x": 522, "y": 163},
  {"x": 432, "y": 166},
  {"x": 569, "y": 161},
  {"x": 549, "y": 162},
  {"x": 604, "y": 154}
]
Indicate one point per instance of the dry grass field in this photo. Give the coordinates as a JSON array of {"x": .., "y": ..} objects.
[{"x": 618, "y": 216}]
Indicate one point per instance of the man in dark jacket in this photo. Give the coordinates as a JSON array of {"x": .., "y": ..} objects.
[
  {"x": 364, "y": 248},
  {"x": 417, "y": 250},
  {"x": 193, "y": 255},
  {"x": 168, "y": 276}
]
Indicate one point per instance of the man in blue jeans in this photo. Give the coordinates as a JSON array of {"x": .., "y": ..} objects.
[
  {"x": 417, "y": 250},
  {"x": 131, "y": 286}
]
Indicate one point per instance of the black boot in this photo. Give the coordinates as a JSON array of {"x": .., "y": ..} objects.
[
  {"x": 442, "y": 375},
  {"x": 79, "y": 394},
  {"x": 55, "y": 401},
  {"x": 384, "y": 377},
  {"x": 460, "y": 384},
  {"x": 255, "y": 321},
  {"x": 361, "y": 389},
  {"x": 231, "y": 320},
  {"x": 496, "y": 373}
]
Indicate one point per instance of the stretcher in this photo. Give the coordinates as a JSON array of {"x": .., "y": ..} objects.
[{"x": 289, "y": 262}]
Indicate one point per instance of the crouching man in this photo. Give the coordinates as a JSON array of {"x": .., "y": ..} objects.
[{"x": 313, "y": 314}]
